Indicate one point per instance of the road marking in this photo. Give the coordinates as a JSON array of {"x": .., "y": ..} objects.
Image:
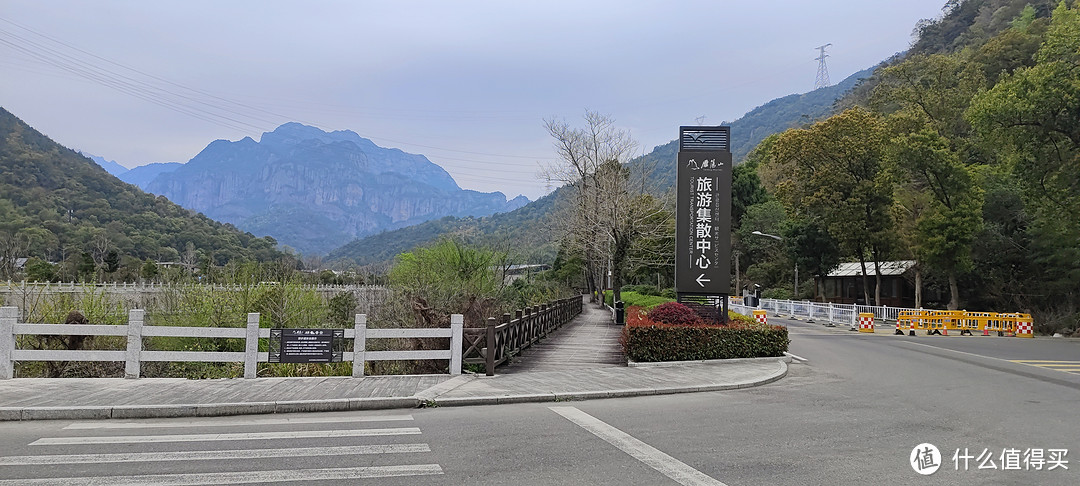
[
  {"x": 796, "y": 358},
  {"x": 240, "y": 477},
  {"x": 665, "y": 464},
  {"x": 136, "y": 439},
  {"x": 212, "y": 455},
  {"x": 1072, "y": 367},
  {"x": 234, "y": 423},
  {"x": 989, "y": 357},
  {"x": 954, "y": 351}
]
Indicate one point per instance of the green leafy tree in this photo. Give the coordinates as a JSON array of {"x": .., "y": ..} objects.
[
  {"x": 149, "y": 270},
  {"x": 944, "y": 232},
  {"x": 834, "y": 172},
  {"x": 112, "y": 261},
  {"x": 38, "y": 270},
  {"x": 86, "y": 267}
]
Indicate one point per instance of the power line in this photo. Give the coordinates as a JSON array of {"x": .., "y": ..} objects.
[{"x": 183, "y": 99}]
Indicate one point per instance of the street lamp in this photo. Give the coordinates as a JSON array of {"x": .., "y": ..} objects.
[{"x": 795, "y": 295}]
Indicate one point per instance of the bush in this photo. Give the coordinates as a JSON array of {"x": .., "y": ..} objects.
[
  {"x": 641, "y": 289},
  {"x": 674, "y": 313},
  {"x": 634, "y": 299},
  {"x": 645, "y": 340}
]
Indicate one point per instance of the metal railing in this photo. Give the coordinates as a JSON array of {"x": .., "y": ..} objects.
[
  {"x": 134, "y": 355},
  {"x": 844, "y": 314},
  {"x": 503, "y": 338}
]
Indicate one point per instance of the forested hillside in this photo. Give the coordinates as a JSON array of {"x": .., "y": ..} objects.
[
  {"x": 961, "y": 155},
  {"x": 56, "y": 205},
  {"x": 524, "y": 233}
]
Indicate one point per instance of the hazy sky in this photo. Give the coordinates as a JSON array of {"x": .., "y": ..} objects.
[{"x": 466, "y": 83}]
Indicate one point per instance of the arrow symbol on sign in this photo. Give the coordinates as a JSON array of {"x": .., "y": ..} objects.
[{"x": 701, "y": 280}]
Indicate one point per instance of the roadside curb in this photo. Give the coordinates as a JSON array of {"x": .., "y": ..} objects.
[
  {"x": 665, "y": 364},
  {"x": 205, "y": 410},
  {"x": 422, "y": 399},
  {"x": 780, "y": 373}
]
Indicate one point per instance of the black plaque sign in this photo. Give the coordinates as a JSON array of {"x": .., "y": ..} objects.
[
  {"x": 306, "y": 345},
  {"x": 703, "y": 219}
]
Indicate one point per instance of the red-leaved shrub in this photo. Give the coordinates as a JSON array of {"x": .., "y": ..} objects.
[
  {"x": 674, "y": 313},
  {"x": 645, "y": 339}
]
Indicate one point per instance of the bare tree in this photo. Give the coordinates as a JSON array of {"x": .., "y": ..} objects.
[
  {"x": 12, "y": 247},
  {"x": 611, "y": 207}
]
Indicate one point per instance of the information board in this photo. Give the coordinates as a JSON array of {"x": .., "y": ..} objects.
[{"x": 306, "y": 345}]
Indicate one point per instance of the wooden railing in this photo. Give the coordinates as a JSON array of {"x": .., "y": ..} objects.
[{"x": 503, "y": 338}]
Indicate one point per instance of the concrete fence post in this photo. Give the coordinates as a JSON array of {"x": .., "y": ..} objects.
[
  {"x": 8, "y": 316},
  {"x": 133, "y": 357},
  {"x": 251, "y": 346},
  {"x": 457, "y": 323},
  {"x": 360, "y": 346}
]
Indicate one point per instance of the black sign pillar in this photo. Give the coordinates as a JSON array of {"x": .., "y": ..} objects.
[{"x": 703, "y": 219}]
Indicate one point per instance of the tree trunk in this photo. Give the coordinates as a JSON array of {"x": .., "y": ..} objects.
[
  {"x": 918, "y": 287},
  {"x": 954, "y": 292},
  {"x": 877, "y": 282},
  {"x": 865, "y": 280}
]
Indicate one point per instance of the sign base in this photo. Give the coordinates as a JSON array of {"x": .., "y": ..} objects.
[{"x": 708, "y": 306}]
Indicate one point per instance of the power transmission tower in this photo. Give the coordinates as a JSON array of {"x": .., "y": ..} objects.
[{"x": 822, "y": 69}]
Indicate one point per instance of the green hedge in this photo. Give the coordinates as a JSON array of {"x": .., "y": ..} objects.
[
  {"x": 692, "y": 343},
  {"x": 634, "y": 299}
]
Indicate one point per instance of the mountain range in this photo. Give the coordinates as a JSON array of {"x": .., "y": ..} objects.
[{"x": 314, "y": 190}]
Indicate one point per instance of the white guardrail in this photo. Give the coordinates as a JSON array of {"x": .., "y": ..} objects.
[
  {"x": 134, "y": 355},
  {"x": 828, "y": 313}
]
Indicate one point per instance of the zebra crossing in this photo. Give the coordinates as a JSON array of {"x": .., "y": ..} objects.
[
  {"x": 321, "y": 448},
  {"x": 1065, "y": 366}
]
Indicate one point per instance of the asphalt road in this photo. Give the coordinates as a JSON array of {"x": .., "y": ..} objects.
[{"x": 850, "y": 414}]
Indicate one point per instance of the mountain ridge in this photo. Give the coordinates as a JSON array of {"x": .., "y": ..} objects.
[{"x": 314, "y": 190}]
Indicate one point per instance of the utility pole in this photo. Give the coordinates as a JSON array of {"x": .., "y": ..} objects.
[{"x": 822, "y": 70}]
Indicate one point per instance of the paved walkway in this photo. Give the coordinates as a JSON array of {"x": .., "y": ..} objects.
[
  {"x": 561, "y": 368},
  {"x": 590, "y": 341}
]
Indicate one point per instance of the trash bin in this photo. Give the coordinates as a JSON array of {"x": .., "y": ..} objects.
[{"x": 620, "y": 313}]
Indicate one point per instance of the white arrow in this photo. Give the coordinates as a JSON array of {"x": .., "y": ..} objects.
[{"x": 701, "y": 279}]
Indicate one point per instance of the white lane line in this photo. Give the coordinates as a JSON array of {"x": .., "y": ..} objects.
[
  {"x": 234, "y": 423},
  {"x": 137, "y": 439},
  {"x": 665, "y": 464},
  {"x": 245, "y": 477},
  {"x": 212, "y": 455},
  {"x": 796, "y": 358}
]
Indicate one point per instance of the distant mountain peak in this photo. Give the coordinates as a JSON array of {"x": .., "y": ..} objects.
[{"x": 315, "y": 190}]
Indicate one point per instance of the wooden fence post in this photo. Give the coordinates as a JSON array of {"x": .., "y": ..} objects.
[
  {"x": 134, "y": 344},
  {"x": 8, "y": 316},
  {"x": 251, "y": 346},
  {"x": 457, "y": 323},
  {"x": 489, "y": 353},
  {"x": 360, "y": 346}
]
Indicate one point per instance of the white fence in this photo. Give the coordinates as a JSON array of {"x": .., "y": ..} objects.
[
  {"x": 844, "y": 314},
  {"x": 134, "y": 355}
]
